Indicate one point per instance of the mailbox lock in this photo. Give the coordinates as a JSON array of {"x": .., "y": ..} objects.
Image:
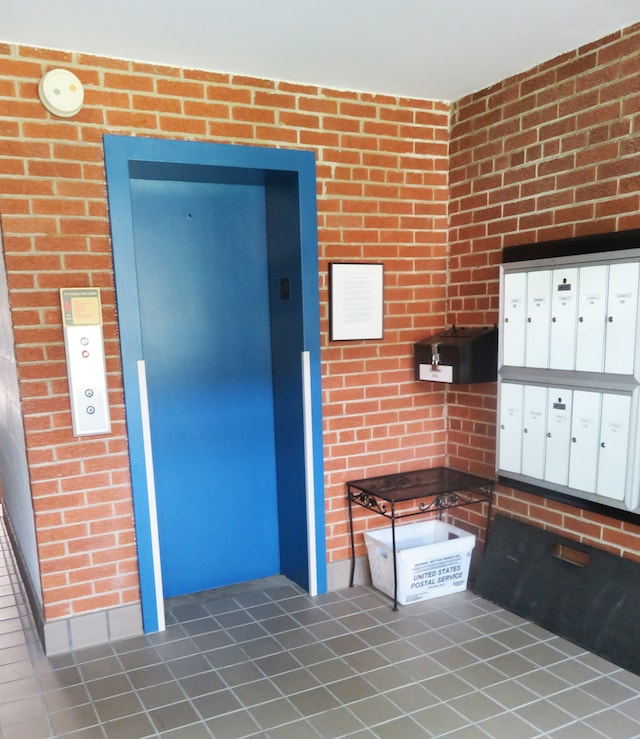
[
  {"x": 603, "y": 445},
  {"x": 548, "y": 434},
  {"x": 573, "y": 439},
  {"x": 435, "y": 355},
  {"x": 610, "y": 319}
]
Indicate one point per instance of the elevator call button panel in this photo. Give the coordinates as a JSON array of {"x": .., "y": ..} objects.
[{"x": 84, "y": 347}]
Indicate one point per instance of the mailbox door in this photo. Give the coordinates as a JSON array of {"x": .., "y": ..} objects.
[
  {"x": 558, "y": 437},
  {"x": 592, "y": 306},
  {"x": 564, "y": 308},
  {"x": 585, "y": 436},
  {"x": 614, "y": 442},
  {"x": 515, "y": 293},
  {"x": 622, "y": 309},
  {"x": 534, "y": 430},
  {"x": 510, "y": 458},
  {"x": 538, "y": 317}
]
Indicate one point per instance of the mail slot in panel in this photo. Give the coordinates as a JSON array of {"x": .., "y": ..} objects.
[{"x": 458, "y": 355}]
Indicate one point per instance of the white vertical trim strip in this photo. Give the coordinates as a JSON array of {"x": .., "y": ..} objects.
[
  {"x": 309, "y": 473},
  {"x": 151, "y": 493}
]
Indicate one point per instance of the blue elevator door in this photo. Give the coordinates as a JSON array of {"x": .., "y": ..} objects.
[{"x": 201, "y": 260}]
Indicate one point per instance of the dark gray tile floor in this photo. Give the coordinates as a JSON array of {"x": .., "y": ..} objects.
[{"x": 267, "y": 660}]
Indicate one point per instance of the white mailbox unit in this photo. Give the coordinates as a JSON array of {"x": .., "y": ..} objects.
[{"x": 569, "y": 376}]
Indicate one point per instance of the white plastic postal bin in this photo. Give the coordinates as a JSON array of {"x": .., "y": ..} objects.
[{"x": 432, "y": 559}]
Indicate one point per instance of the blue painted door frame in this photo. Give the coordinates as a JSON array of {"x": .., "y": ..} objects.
[{"x": 289, "y": 182}]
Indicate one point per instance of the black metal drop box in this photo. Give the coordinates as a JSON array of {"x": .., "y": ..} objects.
[{"x": 458, "y": 355}]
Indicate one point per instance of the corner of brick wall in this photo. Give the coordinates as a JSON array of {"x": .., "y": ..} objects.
[{"x": 550, "y": 153}]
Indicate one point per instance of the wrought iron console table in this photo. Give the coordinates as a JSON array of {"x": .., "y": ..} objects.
[{"x": 405, "y": 494}]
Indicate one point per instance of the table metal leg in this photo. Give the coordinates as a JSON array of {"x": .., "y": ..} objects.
[
  {"x": 353, "y": 546},
  {"x": 395, "y": 563},
  {"x": 488, "y": 526}
]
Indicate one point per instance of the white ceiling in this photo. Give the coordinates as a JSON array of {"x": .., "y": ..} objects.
[{"x": 433, "y": 49}]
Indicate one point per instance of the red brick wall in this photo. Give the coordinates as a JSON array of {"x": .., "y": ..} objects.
[
  {"x": 382, "y": 196},
  {"x": 551, "y": 153}
]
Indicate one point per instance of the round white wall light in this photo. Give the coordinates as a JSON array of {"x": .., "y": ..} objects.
[{"x": 61, "y": 93}]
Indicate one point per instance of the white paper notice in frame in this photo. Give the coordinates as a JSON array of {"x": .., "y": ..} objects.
[{"x": 356, "y": 301}]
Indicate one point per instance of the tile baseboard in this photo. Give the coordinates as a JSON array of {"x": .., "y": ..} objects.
[{"x": 92, "y": 629}]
